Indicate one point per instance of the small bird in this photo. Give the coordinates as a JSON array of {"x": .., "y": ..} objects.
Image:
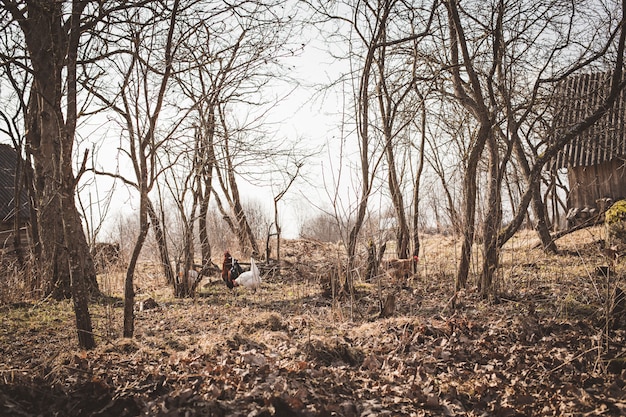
[{"x": 250, "y": 279}]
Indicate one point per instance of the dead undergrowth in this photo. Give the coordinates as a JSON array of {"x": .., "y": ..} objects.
[{"x": 541, "y": 348}]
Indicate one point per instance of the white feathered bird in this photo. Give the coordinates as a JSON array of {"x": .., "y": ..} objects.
[{"x": 250, "y": 279}]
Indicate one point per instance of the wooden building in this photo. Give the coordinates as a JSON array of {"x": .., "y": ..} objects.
[
  {"x": 8, "y": 208},
  {"x": 596, "y": 159}
]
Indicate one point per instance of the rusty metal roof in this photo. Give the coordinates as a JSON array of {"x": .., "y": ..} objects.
[
  {"x": 8, "y": 165},
  {"x": 577, "y": 98}
]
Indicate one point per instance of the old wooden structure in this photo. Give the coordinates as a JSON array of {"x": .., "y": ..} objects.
[
  {"x": 8, "y": 208},
  {"x": 596, "y": 159}
]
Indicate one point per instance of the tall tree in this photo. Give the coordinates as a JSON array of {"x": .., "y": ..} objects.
[
  {"x": 401, "y": 77},
  {"x": 471, "y": 95},
  {"x": 52, "y": 32},
  {"x": 505, "y": 92},
  {"x": 135, "y": 89},
  {"x": 386, "y": 101},
  {"x": 142, "y": 127},
  {"x": 230, "y": 64}
]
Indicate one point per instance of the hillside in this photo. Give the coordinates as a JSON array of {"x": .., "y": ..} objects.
[{"x": 289, "y": 350}]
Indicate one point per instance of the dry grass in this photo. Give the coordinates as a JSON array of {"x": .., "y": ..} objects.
[{"x": 288, "y": 350}]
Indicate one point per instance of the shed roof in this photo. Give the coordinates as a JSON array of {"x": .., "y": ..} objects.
[
  {"x": 8, "y": 165},
  {"x": 577, "y": 98}
]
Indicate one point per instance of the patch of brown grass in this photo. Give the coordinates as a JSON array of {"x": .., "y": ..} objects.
[{"x": 288, "y": 350}]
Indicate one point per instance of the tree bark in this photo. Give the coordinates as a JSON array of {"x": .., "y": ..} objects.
[
  {"x": 52, "y": 46},
  {"x": 492, "y": 222},
  {"x": 161, "y": 240},
  {"x": 205, "y": 244},
  {"x": 475, "y": 103},
  {"x": 416, "y": 192},
  {"x": 45, "y": 149},
  {"x": 18, "y": 181},
  {"x": 79, "y": 259}
]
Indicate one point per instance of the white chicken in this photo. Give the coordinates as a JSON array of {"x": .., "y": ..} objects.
[{"x": 250, "y": 279}]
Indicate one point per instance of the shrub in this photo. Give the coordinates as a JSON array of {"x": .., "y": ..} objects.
[{"x": 615, "y": 220}]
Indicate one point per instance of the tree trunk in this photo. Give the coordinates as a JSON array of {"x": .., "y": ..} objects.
[
  {"x": 204, "y": 182},
  {"x": 542, "y": 225},
  {"x": 18, "y": 181},
  {"x": 278, "y": 230},
  {"x": 469, "y": 207},
  {"x": 492, "y": 222},
  {"x": 402, "y": 230},
  {"x": 387, "y": 107},
  {"x": 243, "y": 229},
  {"x": 66, "y": 262},
  {"x": 468, "y": 233},
  {"x": 538, "y": 206},
  {"x": 45, "y": 149},
  {"x": 129, "y": 291},
  {"x": 470, "y": 96},
  {"x": 33, "y": 209},
  {"x": 50, "y": 142},
  {"x": 371, "y": 270},
  {"x": 161, "y": 240},
  {"x": 205, "y": 244},
  {"x": 363, "y": 121},
  {"x": 79, "y": 268},
  {"x": 416, "y": 192},
  {"x": 182, "y": 288}
]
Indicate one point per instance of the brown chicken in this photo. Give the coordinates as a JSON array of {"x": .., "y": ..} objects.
[
  {"x": 227, "y": 265},
  {"x": 400, "y": 269},
  {"x": 230, "y": 270}
]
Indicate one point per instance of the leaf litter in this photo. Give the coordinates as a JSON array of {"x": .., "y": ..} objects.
[{"x": 288, "y": 350}]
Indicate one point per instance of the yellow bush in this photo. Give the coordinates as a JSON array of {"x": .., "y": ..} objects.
[
  {"x": 615, "y": 219},
  {"x": 616, "y": 213}
]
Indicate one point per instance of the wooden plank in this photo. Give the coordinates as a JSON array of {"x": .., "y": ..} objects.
[{"x": 578, "y": 97}]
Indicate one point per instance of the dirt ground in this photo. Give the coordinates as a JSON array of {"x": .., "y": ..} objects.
[{"x": 543, "y": 347}]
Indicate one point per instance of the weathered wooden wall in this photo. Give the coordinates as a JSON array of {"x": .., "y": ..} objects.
[
  {"x": 605, "y": 141},
  {"x": 590, "y": 183},
  {"x": 6, "y": 238},
  {"x": 595, "y": 158}
]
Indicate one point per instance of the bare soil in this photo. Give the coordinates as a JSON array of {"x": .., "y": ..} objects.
[{"x": 541, "y": 348}]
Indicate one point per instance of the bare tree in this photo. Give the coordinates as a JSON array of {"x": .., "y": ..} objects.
[
  {"x": 377, "y": 27},
  {"x": 52, "y": 33},
  {"x": 401, "y": 104},
  {"x": 374, "y": 36},
  {"x": 491, "y": 79},
  {"x": 416, "y": 187},
  {"x": 471, "y": 95},
  {"x": 226, "y": 78},
  {"x": 291, "y": 177},
  {"x": 146, "y": 69}
]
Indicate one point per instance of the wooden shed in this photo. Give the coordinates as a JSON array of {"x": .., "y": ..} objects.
[
  {"x": 8, "y": 208},
  {"x": 596, "y": 159}
]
